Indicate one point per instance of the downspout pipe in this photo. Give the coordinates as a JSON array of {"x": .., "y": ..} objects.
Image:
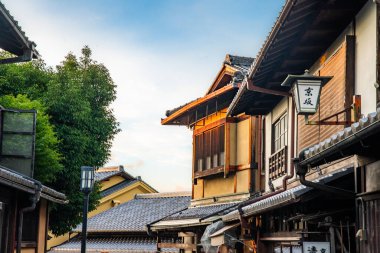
[
  {"x": 243, "y": 221},
  {"x": 301, "y": 172},
  {"x": 35, "y": 198}
]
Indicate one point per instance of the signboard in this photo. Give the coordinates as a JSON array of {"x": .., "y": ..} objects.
[{"x": 316, "y": 247}]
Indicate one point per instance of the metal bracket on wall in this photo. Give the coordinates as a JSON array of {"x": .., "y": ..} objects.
[{"x": 355, "y": 110}]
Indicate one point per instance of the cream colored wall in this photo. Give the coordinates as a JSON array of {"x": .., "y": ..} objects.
[
  {"x": 198, "y": 189},
  {"x": 111, "y": 182},
  {"x": 218, "y": 186},
  {"x": 365, "y": 65},
  {"x": 42, "y": 226},
  {"x": 285, "y": 105},
  {"x": 242, "y": 142},
  {"x": 242, "y": 181},
  {"x": 233, "y": 128}
]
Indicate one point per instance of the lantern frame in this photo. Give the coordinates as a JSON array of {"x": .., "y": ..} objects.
[
  {"x": 87, "y": 178},
  {"x": 306, "y": 91}
]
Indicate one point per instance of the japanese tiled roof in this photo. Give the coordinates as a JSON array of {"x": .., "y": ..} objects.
[
  {"x": 361, "y": 132},
  {"x": 124, "y": 244},
  {"x": 24, "y": 183},
  {"x": 240, "y": 63},
  {"x": 290, "y": 49},
  {"x": 107, "y": 172},
  {"x": 287, "y": 197},
  {"x": 117, "y": 187},
  {"x": 202, "y": 211},
  {"x": 135, "y": 214},
  {"x": 12, "y": 37}
]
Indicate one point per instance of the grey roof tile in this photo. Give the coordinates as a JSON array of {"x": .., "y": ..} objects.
[
  {"x": 24, "y": 183},
  {"x": 137, "y": 244},
  {"x": 362, "y": 124},
  {"x": 117, "y": 187},
  {"x": 202, "y": 211},
  {"x": 135, "y": 214}
]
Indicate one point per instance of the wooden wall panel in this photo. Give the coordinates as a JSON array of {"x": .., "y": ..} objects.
[{"x": 332, "y": 101}]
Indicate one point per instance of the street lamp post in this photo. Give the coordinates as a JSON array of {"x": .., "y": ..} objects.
[{"x": 87, "y": 183}]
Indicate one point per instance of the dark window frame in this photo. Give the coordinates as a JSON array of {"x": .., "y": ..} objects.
[{"x": 280, "y": 133}]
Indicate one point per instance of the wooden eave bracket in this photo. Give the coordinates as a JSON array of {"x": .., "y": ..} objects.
[{"x": 252, "y": 87}]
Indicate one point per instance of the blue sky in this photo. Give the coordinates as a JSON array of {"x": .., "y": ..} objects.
[{"x": 160, "y": 53}]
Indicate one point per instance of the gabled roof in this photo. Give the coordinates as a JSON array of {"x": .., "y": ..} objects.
[
  {"x": 26, "y": 184},
  {"x": 107, "y": 172},
  {"x": 303, "y": 31},
  {"x": 135, "y": 214},
  {"x": 13, "y": 39},
  {"x": 218, "y": 96}
]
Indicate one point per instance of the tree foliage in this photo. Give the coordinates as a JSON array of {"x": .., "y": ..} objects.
[
  {"x": 76, "y": 96},
  {"x": 47, "y": 156}
]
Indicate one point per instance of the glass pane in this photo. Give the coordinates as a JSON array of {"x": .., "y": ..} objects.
[
  {"x": 221, "y": 157},
  {"x": 16, "y": 144},
  {"x": 215, "y": 160},
  {"x": 18, "y": 121},
  {"x": 21, "y": 165}
]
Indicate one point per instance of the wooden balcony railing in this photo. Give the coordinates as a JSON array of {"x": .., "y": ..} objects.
[{"x": 278, "y": 164}]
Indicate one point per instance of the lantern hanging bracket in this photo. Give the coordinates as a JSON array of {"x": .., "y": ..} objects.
[
  {"x": 252, "y": 87},
  {"x": 355, "y": 115}
]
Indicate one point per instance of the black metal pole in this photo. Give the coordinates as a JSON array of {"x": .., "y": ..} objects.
[{"x": 84, "y": 222}]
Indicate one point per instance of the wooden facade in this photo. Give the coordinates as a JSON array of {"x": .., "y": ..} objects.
[{"x": 333, "y": 204}]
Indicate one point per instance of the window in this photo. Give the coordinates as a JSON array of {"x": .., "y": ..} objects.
[
  {"x": 209, "y": 149},
  {"x": 280, "y": 133}
]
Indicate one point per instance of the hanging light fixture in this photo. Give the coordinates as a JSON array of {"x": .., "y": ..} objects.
[{"x": 306, "y": 91}]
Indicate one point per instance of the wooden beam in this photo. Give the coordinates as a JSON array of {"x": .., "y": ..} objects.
[
  {"x": 185, "y": 246},
  {"x": 349, "y": 75},
  {"x": 255, "y": 88},
  {"x": 197, "y": 102}
]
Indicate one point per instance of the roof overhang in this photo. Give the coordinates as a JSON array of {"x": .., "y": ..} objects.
[
  {"x": 14, "y": 40},
  {"x": 301, "y": 34},
  {"x": 202, "y": 107},
  {"x": 26, "y": 184},
  {"x": 285, "y": 198},
  {"x": 361, "y": 138}
]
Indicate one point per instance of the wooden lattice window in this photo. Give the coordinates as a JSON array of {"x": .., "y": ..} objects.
[
  {"x": 280, "y": 130},
  {"x": 278, "y": 164},
  {"x": 209, "y": 149}
]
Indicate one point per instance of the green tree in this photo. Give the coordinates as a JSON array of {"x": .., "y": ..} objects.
[
  {"x": 76, "y": 95},
  {"x": 47, "y": 156}
]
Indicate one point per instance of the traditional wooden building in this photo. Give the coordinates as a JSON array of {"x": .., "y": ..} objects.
[
  {"x": 117, "y": 187},
  {"x": 332, "y": 204},
  {"x": 226, "y": 164},
  {"x": 319, "y": 172},
  {"x": 24, "y": 201}
]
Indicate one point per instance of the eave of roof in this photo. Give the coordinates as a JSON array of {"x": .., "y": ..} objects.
[
  {"x": 361, "y": 138},
  {"x": 13, "y": 39},
  {"x": 26, "y": 184},
  {"x": 284, "y": 198},
  {"x": 292, "y": 46},
  {"x": 171, "y": 120}
]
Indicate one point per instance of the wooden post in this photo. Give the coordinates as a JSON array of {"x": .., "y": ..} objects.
[{"x": 349, "y": 75}]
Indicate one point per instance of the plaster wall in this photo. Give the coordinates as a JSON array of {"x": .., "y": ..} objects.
[{"x": 365, "y": 76}]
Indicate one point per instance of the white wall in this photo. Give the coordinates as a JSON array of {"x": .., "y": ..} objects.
[{"x": 365, "y": 64}]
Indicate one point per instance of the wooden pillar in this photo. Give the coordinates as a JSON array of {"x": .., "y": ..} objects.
[{"x": 349, "y": 74}]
